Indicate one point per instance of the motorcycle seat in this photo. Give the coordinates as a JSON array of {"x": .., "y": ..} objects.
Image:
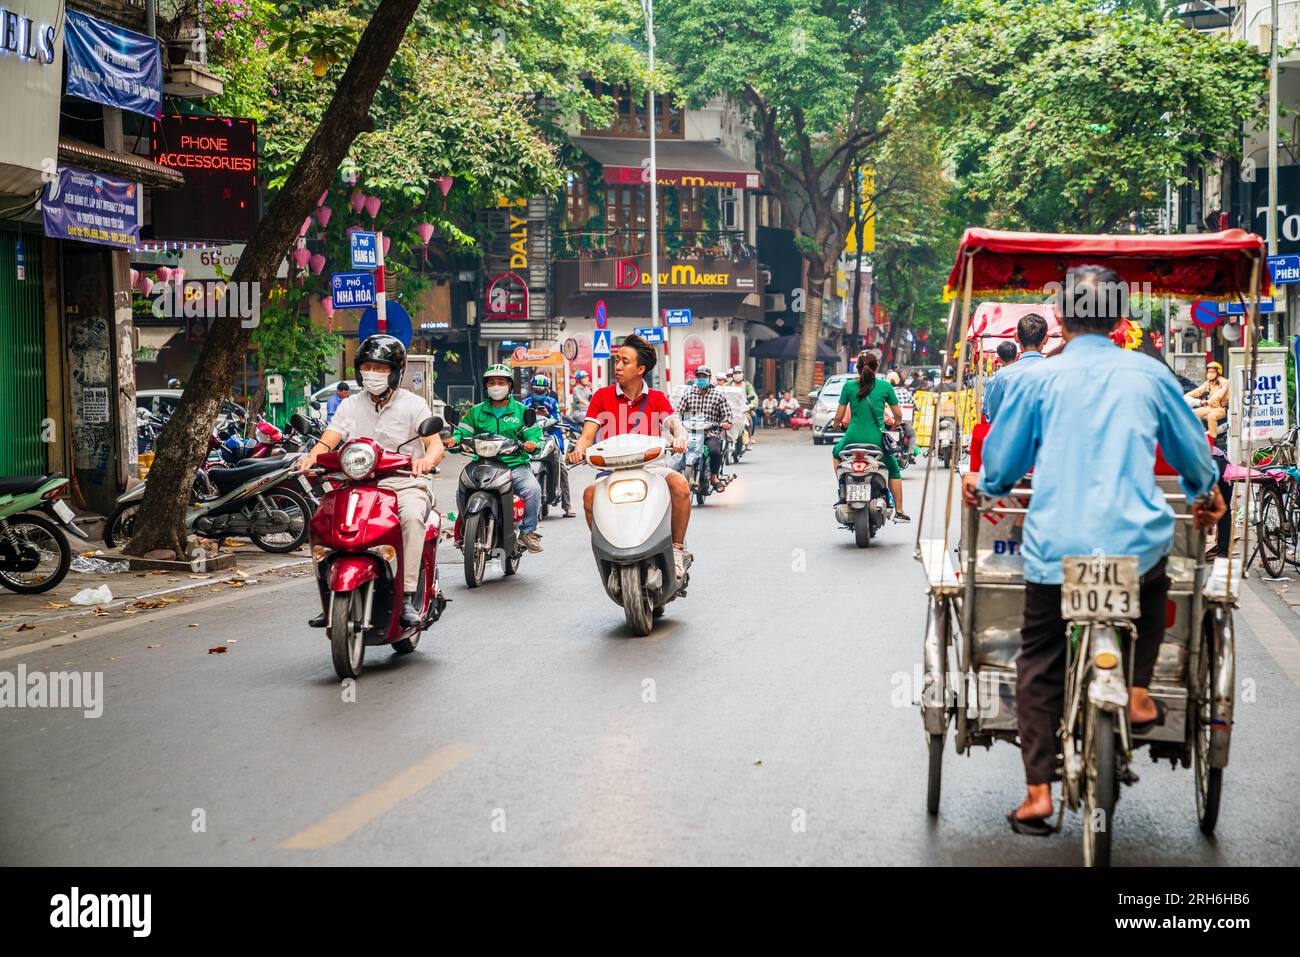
[
  {"x": 226, "y": 479},
  {"x": 861, "y": 446},
  {"x": 22, "y": 484}
]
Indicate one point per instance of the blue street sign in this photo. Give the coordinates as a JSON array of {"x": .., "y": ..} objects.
[
  {"x": 600, "y": 344},
  {"x": 365, "y": 250},
  {"x": 1237, "y": 309},
  {"x": 678, "y": 317},
  {"x": 1285, "y": 270},
  {"x": 399, "y": 323},
  {"x": 1205, "y": 313},
  {"x": 651, "y": 334},
  {"x": 602, "y": 317},
  {"x": 350, "y": 290}
]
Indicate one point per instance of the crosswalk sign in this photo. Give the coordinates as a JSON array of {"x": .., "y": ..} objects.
[{"x": 600, "y": 344}]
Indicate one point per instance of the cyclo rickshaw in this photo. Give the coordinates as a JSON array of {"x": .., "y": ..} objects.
[{"x": 976, "y": 589}]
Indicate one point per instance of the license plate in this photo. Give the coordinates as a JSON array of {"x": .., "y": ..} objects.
[
  {"x": 61, "y": 509},
  {"x": 306, "y": 485},
  {"x": 858, "y": 492},
  {"x": 1099, "y": 587}
]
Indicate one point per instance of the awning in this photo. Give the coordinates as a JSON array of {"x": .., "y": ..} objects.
[
  {"x": 127, "y": 165},
  {"x": 533, "y": 358},
  {"x": 677, "y": 162},
  {"x": 786, "y": 348}
]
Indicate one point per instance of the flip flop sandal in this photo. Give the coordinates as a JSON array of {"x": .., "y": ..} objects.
[
  {"x": 1146, "y": 727},
  {"x": 1030, "y": 826}
]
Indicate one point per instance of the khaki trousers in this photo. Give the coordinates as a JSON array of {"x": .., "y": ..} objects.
[{"x": 413, "y": 506}]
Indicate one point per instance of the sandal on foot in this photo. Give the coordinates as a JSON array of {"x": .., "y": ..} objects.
[
  {"x": 1029, "y": 826},
  {"x": 1146, "y": 727}
]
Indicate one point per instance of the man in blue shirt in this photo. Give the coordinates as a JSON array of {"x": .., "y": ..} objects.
[
  {"x": 340, "y": 393},
  {"x": 1031, "y": 330},
  {"x": 1087, "y": 422}
]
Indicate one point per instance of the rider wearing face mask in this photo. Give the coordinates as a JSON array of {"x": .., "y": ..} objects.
[
  {"x": 503, "y": 415},
  {"x": 751, "y": 399},
  {"x": 389, "y": 415},
  {"x": 705, "y": 402}
]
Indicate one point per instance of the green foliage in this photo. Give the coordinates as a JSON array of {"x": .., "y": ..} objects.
[
  {"x": 286, "y": 338},
  {"x": 1070, "y": 115}
]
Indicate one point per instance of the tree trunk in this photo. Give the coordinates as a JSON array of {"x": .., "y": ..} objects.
[
  {"x": 810, "y": 331},
  {"x": 183, "y": 445}
]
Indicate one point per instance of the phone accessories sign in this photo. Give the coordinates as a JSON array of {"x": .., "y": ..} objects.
[{"x": 218, "y": 157}]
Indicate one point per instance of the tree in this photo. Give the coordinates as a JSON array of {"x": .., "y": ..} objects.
[
  {"x": 1071, "y": 115},
  {"x": 811, "y": 75}
]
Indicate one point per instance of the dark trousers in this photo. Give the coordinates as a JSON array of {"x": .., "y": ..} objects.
[
  {"x": 1040, "y": 668},
  {"x": 714, "y": 444}
]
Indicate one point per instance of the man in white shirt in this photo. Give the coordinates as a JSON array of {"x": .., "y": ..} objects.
[{"x": 391, "y": 417}]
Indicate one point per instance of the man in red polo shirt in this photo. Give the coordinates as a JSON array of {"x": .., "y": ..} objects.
[{"x": 628, "y": 407}]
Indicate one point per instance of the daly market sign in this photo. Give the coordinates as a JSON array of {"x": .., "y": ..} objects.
[{"x": 622, "y": 275}]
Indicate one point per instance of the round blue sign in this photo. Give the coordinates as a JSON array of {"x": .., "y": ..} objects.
[
  {"x": 399, "y": 323},
  {"x": 1205, "y": 313},
  {"x": 602, "y": 318}
]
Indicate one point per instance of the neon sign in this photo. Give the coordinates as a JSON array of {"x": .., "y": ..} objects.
[{"x": 26, "y": 38}]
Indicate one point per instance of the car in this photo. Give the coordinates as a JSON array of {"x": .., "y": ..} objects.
[
  {"x": 164, "y": 402},
  {"x": 321, "y": 397},
  {"x": 824, "y": 404}
]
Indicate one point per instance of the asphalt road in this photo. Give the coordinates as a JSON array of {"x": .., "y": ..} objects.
[{"x": 766, "y": 721}]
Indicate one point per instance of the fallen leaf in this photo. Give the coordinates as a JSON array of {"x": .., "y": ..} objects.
[
  {"x": 55, "y": 604},
  {"x": 153, "y": 646},
  {"x": 26, "y": 626},
  {"x": 194, "y": 625},
  {"x": 235, "y": 584},
  {"x": 219, "y": 650},
  {"x": 199, "y": 577},
  {"x": 757, "y": 762},
  {"x": 232, "y": 641},
  {"x": 231, "y": 543},
  {"x": 239, "y": 574}
]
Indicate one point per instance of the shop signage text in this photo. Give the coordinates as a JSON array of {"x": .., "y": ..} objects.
[
  {"x": 28, "y": 39},
  {"x": 91, "y": 208},
  {"x": 705, "y": 179},
  {"x": 218, "y": 157},
  {"x": 112, "y": 66}
]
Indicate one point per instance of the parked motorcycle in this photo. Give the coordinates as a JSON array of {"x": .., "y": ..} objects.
[
  {"x": 259, "y": 499},
  {"x": 357, "y": 552},
  {"x": 946, "y": 440},
  {"x": 34, "y": 551},
  {"x": 865, "y": 502},
  {"x": 631, "y": 529},
  {"x": 694, "y": 463}
]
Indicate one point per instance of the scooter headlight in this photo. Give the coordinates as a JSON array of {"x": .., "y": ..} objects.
[
  {"x": 357, "y": 461},
  {"x": 487, "y": 449},
  {"x": 625, "y": 491}
]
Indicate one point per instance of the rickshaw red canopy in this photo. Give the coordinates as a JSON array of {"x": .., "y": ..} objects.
[
  {"x": 1190, "y": 265},
  {"x": 995, "y": 322}
]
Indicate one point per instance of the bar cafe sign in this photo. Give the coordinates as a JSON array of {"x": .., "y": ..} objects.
[{"x": 631, "y": 275}]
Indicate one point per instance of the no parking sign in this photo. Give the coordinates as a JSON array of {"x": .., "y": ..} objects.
[{"x": 1205, "y": 313}]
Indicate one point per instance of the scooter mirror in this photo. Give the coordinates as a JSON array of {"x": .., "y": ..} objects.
[
  {"x": 430, "y": 426},
  {"x": 530, "y": 417},
  {"x": 452, "y": 415},
  {"x": 300, "y": 423}
]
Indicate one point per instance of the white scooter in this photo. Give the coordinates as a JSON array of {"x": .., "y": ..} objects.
[{"x": 631, "y": 531}]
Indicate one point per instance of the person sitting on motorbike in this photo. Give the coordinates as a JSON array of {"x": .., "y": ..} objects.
[
  {"x": 904, "y": 398},
  {"x": 579, "y": 398},
  {"x": 502, "y": 414},
  {"x": 703, "y": 401},
  {"x": 1215, "y": 391},
  {"x": 1088, "y": 423},
  {"x": 1031, "y": 330},
  {"x": 540, "y": 400},
  {"x": 630, "y": 407},
  {"x": 751, "y": 400},
  {"x": 391, "y": 416},
  {"x": 865, "y": 399}
]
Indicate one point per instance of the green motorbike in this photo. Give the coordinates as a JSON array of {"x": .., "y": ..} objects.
[{"x": 34, "y": 552}]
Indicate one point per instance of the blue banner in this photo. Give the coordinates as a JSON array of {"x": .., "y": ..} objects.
[
  {"x": 109, "y": 65},
  {"x": 92, "y": 208}
]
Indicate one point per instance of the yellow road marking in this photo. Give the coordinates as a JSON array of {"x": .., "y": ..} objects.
[{"x": 357, "y": 813}]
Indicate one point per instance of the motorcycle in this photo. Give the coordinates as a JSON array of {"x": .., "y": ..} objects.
[
  {"x": 694, "y": 462},
  {"x": 259, "y": 499},
  {"x": 946, "y": 440},
  {"x": 904, "y": 454},
  {"x": 488, "y": 511},
  {"x": 631, "y": 529},
  {"x": 741, "y": 445},
  {"x": 547, "y": 462},
  {"x": 865, "y": 502},
  {"x": 34, "y": 551},
  {"x": 356, "y": 549}
]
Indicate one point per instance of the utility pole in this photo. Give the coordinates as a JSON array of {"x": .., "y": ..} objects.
[
  {"x": 1272, "y": 136},
  {"x": 648, "y": 8}
]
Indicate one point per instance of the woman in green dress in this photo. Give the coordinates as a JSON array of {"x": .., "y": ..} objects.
[{"x": 864, "y": 400}]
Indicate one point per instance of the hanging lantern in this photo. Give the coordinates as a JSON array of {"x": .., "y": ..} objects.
[
  {"x": 426, "y": 232},
  {"x": 317, "y": 264},
  {"x": 135, "y": 279},
  {"x": 372, "y": 205},
  {"x": 164, "y": 273},
  {"x": 301, "y": 256},
  {"x": 179, "y": 275},
  {"x": 358, "y": 200},
  {"x": 321, "y": 201},
  {"x": 444, "y": 184},
  {"x": 323, "y": 214},
  {"x": 146, "y": 285},
  {"x": 306, "y": 225},
  {"x": 327, "y": 303},
  {"x": 388, "y": 241}
]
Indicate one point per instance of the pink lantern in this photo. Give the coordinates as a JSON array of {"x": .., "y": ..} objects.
[
  {"x": 444, "y": 184},
  {"x": 164, "y": 273},
  {"x": 179, "y": 275},
  {"x": 358, "y": 200},
  {"x": 321, "y": 201},
  {"x": 301, "y": 256},
  {"x": 372, "y": 205},
  {"x": 388, "y": 241},
  {"x": 306, "y": 225},
  {"x": 146, "y": 285},
  {"x": 317, "y": 264},
  {"x": 328, "y": 305},
  {"x": 323, "y": 214},
  {"x": 426, "y": 232},
  {"x": 135, "y": 279}
]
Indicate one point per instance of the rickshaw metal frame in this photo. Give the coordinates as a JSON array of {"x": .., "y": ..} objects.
[{"x": 952, "y": 598}]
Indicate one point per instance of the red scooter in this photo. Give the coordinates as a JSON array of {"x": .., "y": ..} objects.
[{"x": 356, "y": 545}]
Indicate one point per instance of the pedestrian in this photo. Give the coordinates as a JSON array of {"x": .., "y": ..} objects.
[
  {"x": 340, "y": 393},
  {"x": 769, "y": 411},
  {"x": 787, "y": 409}
]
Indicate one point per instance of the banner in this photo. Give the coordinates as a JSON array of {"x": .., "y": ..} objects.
[
  {"x": 92, "y": 208},
  {"x": 112, "y": 66}
]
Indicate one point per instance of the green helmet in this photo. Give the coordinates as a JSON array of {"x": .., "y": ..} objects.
[{"x": 499, "y": 370}]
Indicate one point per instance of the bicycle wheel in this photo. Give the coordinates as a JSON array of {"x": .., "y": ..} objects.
[{"x": 1271, "y": 531}]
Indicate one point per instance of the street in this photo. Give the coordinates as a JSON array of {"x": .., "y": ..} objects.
[{"x": 767, "y": 720}]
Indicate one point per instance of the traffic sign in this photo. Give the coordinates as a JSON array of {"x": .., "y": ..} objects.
[
  {"x": 1285, "y": 270},
  {"x": 678, "y": 317},
  {"x": 1205, "y": 313},
  {"x": 651, "y": 334},
  {"x": 602, "y": 317},
  {"x": 399, "y": 323},
  {"x": 350, "y": 290},
  {"x": 600, "y": 342},
  {"x": 1237, "y": 309},
  {"x": 365, "y": 249}
]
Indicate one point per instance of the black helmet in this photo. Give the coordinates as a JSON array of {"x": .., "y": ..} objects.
[{"x": 386, "y": 349}]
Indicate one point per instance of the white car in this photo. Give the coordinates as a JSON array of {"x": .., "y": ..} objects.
[{"x": 823, "y": 410}]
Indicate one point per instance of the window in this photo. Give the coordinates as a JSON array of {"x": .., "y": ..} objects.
[
  {"x": 631, "y": 113},
  {"x": 575, "y": 200}
]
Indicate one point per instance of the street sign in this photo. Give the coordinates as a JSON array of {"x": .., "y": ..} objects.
[
  {"x": 365, "y": 249},
  {"x": 651, "y": 334},
  {"x": 1237, "y": 309},
  {"x": 602, "y": 317},
  {"x": 399, "y": 323},
  {"x": 600, "y": 341},
  {"x": 682, "y": 317},
  {"x": 1285, "y": 270},
  {"x": 350, "y": 290},
  {"x": 1205, "y": 313}
]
